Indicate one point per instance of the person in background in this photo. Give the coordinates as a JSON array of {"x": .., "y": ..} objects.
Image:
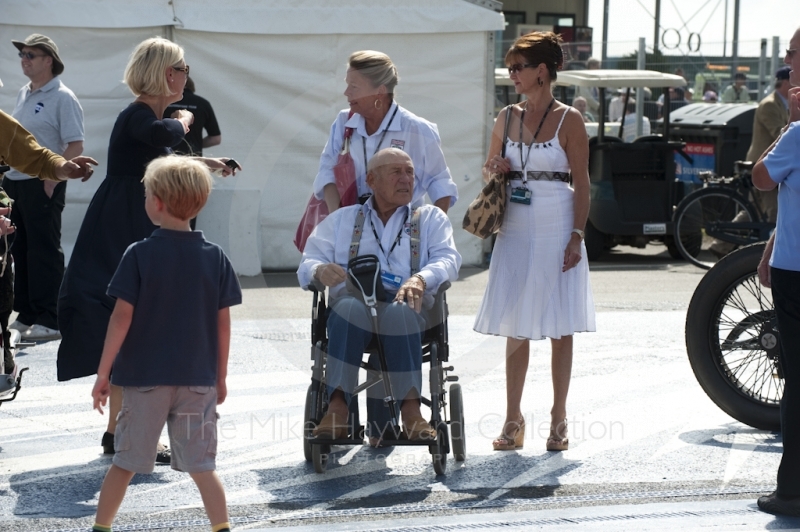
[
  {"x": 51, "y": 112},
  {"x": 591, "y": 94},
  {"x": 770, "y": 118},
  {"x": 710, "y": 97},
  {"x": 204, "y": 119},
  {"x": 737, "y": 91},
  {"x": 616, "y": 107},
  {"x": 579, "y": 103},
  {"x": 629, "y": 123},
  {"x": 20, "y": 150}
]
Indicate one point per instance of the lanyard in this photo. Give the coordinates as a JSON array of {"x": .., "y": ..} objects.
[
  {"x": 396, "y": 240},
  {"x": 538, "y": 129},
  {"x": 364, "y": 140}
]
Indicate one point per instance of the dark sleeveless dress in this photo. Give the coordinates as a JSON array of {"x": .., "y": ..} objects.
[{"x": 114, "y": 220}]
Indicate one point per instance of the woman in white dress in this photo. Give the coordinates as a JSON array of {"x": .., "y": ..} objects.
[{"x": 539, "y": 275}]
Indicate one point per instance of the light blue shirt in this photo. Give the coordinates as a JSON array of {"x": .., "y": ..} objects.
[
  {"x": 408, "y": 132},
  {"x": 783, "y": 166},
  {"x": 330, "y": 242}
]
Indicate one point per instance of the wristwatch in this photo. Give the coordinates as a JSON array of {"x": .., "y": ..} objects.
[{"x": 579, "y": 232}]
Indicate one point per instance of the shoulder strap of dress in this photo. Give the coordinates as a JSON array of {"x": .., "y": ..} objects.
[{"x": 563, "y": 116}]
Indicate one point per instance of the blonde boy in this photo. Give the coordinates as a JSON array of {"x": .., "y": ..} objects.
[{"x": 168, "y": 342}]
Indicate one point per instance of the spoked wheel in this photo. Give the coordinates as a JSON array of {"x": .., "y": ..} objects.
[
  {"x": 457, "y": 432},
  {"x": 319, "y": 455},
  {"x": 705, "y": 225},
  {"x": 733, "y": 342},
  {"x": 439, "y": 449}
]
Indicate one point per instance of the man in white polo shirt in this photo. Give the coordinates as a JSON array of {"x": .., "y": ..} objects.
[{"x": 51, "y": 112}]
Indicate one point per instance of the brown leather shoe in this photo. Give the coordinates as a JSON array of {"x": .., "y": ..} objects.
[
  {"x": 417, "y": 428},
  {"x": 332, "y": 426}
]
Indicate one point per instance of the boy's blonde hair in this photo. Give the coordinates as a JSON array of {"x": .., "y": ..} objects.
[
  {"x": 181, "y": 183},
  {"x": 146, "y": 72}
]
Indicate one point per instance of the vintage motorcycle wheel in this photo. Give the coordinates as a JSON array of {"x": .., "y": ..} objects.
[{"x": 733, "y": 342}]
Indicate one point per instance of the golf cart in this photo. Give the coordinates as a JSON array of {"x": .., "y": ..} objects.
[{"x": 633, "y": 186}]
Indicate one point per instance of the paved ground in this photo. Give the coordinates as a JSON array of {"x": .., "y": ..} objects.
[{"x": 649, "y": 450}]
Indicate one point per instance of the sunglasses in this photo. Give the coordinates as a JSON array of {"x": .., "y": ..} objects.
[
  {"x": 184, "y": 69},
  {"x": 790, "y": 52},
  {"x": 30, "y": 56},
  {"x": 517, "y": 67}
]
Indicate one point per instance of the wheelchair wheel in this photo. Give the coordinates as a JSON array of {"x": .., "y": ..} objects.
[
  {"x": 733, "y": 342},
  {"x": 698, "y": 237},
  {"x": 457, "y": 434},
  {"x": 439, "y": 449},
  {"x": 319, "y": 454},
  {"x": 308, "y": 422}
]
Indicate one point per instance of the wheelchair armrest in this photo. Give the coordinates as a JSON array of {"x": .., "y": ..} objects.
[
  {"x": 438, "y": 297},
  {"x": 442, "y": 289}
]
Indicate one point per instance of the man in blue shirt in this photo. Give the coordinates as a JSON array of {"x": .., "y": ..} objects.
[{"x": 779, "y": 269}]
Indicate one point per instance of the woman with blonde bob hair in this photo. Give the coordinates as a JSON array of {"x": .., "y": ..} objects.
[{"x": 156, "y": 74}]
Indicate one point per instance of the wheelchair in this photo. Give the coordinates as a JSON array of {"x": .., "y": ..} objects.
[
  {"x": 10, "y": 383},
  {"x": 449, "y": 429}
]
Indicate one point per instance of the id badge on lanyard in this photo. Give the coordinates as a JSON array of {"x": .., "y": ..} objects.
[
  {"x": 521, "y": 195},
  {"x": 391, "y": 280}
]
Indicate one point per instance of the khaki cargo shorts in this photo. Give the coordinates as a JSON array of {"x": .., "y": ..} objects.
[{"x": 190, "y": 413}]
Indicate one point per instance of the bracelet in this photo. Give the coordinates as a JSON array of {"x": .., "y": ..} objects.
[
  {"x": 579, "y": 232},
  {"x": 421, "y": 278}
]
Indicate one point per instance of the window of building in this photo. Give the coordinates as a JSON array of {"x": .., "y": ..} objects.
[{"x": 555, "y": 19}]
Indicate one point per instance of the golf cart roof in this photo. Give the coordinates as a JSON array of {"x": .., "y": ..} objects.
[{"x": 617, "y": 79}]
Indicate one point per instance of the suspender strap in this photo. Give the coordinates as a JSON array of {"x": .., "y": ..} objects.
[
  {"x": 358, "y": 230},
  {"x": 415, "y": 255}
]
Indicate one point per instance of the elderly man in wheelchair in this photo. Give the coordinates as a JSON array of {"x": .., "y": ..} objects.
[{"x": 414, "y": 252}]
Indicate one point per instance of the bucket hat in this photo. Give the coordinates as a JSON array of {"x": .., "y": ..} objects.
[{"x": 37, "y": 40}]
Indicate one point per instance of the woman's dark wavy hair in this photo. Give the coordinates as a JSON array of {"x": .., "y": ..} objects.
[{"x": 539, "y": 47}]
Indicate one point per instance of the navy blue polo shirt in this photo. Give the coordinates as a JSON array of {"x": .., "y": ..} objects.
[{"x": 177, "y": 282}]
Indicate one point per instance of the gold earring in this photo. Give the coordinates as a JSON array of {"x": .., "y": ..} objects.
[{"x": 378, "y": 105}]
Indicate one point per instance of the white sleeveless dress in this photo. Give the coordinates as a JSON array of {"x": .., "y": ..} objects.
[{"x": 528, "y": 296}]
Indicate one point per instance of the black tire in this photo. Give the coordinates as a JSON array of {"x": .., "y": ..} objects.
[
  {"x": 731, "y": 341},
  {"x": 694, "y": 224},
  {"x": 595, "y": 242},
  {"x": 320, "y": 457},
  {"x": 457, "y": 427},
  {"x": 308, "y": 422},
  {"x": 672, "y": 247},
  {"x": 439, "y": 450}
]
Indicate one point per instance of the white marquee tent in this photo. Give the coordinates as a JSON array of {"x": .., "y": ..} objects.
[{"x": 273, "y": 70}]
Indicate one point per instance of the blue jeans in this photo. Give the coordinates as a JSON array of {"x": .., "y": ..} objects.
[{"x": 349, "y": 334}]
